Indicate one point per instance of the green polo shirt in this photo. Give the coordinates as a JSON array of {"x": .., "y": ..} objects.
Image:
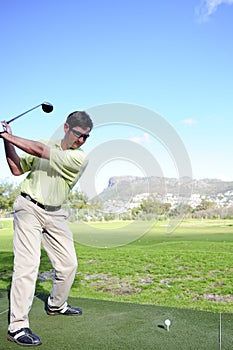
[{"x": 50, "y": 181}]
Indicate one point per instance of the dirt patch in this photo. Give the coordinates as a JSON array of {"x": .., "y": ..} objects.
[
  {"x": 168, "y": 281},
  {"x": 45, "y": 276},
  {"x": 115, "y": 285},
  {"x": 218, "y": 298}
]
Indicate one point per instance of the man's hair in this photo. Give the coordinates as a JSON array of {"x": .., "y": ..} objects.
[{"x": 81, "y": 119}]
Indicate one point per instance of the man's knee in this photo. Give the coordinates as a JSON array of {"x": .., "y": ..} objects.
[{"x": 67, "y": 269}]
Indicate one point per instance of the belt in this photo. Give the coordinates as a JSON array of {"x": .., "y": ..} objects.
[{"x": 45, "y": 207}]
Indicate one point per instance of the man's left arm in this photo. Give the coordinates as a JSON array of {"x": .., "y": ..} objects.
[{"x": 34, "y": 148}]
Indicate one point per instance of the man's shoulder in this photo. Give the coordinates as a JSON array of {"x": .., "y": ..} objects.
[
  {"x": 76, "y": 152},
  {"x": 51, "y": 142},
  {"x": 71, "y": 154}
]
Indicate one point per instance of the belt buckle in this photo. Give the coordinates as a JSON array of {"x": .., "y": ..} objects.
[{"x": 50, "y": 208}]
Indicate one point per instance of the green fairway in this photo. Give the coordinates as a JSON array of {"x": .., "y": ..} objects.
[
  {"x": 110, "y": 325},
  {"x": 190, "y": 268}
]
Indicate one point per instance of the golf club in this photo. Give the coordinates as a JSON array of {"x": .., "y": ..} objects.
[{"x": 46, "y": 106}]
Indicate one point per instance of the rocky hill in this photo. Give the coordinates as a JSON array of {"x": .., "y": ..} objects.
[{"x": 121, "y": 187}]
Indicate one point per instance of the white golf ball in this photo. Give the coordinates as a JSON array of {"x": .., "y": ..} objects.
[{"x": 167, "y": 322}]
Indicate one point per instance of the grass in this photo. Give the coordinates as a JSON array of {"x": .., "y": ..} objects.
[
  {"x": 107, "y": 325},
  {"x": 127, "y": 291},
  {"x": 190, "y": 268}
]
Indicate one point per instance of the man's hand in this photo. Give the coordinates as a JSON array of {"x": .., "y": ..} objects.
[{"x": 3, "y": 128}]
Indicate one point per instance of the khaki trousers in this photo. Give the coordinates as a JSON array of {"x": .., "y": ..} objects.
[{"x": 34, "y": 226}]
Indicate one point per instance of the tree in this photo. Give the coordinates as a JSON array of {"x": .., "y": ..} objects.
[
  {"x": 8, "y": 194},
  {"x": 152, "y": 207},
  {"x": 205, "y": 205},
  {"x": 77, "y": 200},
  {"x": 182, "y": 209}
]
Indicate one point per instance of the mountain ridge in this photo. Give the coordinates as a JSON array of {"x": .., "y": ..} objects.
[{"x": 120, "y": 187}]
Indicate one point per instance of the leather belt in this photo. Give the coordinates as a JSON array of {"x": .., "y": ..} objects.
[{"x": 45, "y": 207}]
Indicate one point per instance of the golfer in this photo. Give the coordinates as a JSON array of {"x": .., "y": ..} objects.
[{"x": 53, "y": 168}]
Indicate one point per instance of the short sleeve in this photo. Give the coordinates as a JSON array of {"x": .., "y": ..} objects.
[{"x": 70, "y": 164}]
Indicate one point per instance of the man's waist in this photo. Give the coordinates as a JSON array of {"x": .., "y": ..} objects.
[{"x": 42, "y": 206}]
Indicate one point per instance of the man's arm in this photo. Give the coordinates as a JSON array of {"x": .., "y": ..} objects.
[
  {"x": 34, "y": 148},
  {"x": 12, "y": 159}
]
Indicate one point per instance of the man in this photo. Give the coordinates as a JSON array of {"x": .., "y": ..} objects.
[{"x": 53, "y": 170}]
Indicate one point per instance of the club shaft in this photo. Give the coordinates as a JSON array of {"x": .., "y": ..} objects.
[{"x": 18, "y": 116}]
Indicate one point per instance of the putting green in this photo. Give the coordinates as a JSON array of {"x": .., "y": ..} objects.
[{"x": 108, "y": 325}]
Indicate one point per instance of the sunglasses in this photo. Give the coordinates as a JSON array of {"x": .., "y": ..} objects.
[{"x": 79, "y": 134}]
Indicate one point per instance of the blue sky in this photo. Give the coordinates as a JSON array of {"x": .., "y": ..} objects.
[{"x": 172, "y": 57}]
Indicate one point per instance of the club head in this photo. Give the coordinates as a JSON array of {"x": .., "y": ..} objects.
[{"x": 47, "y": 107}]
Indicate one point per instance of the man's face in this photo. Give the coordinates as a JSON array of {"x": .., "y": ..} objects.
[{"x": 74, "y": 137}]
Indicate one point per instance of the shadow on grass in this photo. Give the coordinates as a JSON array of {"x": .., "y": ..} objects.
[
  {"x": 6, "y": 266},
  {"x": 43, "y": 297}
]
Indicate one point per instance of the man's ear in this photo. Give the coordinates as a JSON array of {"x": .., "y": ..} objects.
[{"x": 66, "y": 127}]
